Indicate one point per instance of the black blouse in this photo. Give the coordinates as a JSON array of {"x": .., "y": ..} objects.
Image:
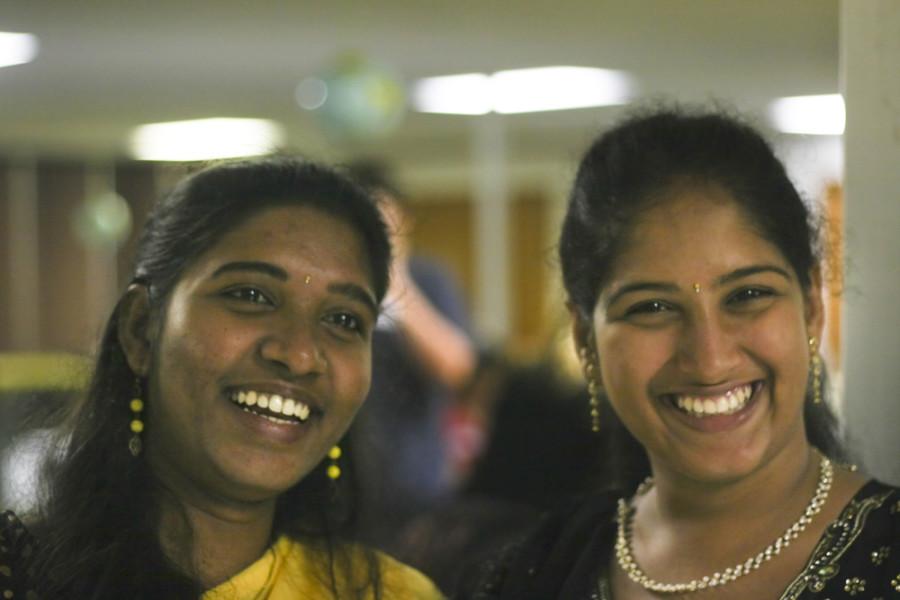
[
  {"x": 15, "y": 549},
  {"x": 858, "y": 556}
]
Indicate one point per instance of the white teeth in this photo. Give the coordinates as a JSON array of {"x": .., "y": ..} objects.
[
  {"x": 274, "y": 403},
  {"x": 301, "y": 411},
  {"x": 726, "y": 404},
  {"x": 698, "y": 406}
]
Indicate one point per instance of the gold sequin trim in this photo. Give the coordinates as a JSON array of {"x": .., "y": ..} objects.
[
  {"x": 854, "y": 586},
  {"x": 879, "y": 555}
]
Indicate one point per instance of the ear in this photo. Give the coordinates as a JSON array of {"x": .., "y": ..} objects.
[
  {"x": 814, "y": 307},
  {"x": 135, "y": 328}
]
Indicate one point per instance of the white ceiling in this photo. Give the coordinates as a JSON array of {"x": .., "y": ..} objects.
[{"x": 106, "y": 66}]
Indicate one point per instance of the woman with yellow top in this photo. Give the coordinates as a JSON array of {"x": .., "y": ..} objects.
[{"x": 204, "y": 460}]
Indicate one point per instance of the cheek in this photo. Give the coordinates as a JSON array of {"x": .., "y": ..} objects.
[
  {"x": 780, "y": 342},
  {"x": 205, "y": 335},
  {"x": 353, "y": 375},
  {"x": 629, "y": 360}
]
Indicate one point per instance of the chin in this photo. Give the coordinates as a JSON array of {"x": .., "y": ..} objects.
[
  {"x": 716, "y": 466},
  {"x": 265, "y": 483}
]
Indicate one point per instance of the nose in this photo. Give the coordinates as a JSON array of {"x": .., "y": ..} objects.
[
  {"x": 293, "y": 346},
  {"x": 708, "y": 349}
]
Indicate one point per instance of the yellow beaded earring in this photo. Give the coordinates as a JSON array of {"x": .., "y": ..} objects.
[
  {"x": 333, "y": 470},
  {"x": 815, "y": 365},
  {"x": 588, "y": 362},
  {"x": 137, "y": 425}
]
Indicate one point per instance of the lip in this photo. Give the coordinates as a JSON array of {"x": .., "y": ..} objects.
[{"x": 721, "y": 422}]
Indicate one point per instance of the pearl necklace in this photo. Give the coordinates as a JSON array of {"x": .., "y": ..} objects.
[{"x": 625, "y": 556}]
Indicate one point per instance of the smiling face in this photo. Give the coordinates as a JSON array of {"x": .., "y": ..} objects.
[
  {"x": 262, "y": 356},
  {"x": 710, "y": 382}
]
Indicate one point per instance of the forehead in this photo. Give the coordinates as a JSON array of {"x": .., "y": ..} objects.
[
  {"x": 692, "y": 230},
  {"x": 293, "y": 237}
]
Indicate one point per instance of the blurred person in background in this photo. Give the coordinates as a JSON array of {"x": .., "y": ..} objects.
[
  {"x": 204, "y": 460},
  {"x": 539, "y": 451},
  {"x": 422, "y": 354}
]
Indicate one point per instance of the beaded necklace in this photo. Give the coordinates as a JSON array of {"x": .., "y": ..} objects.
[{"x": 625, "y": 555}]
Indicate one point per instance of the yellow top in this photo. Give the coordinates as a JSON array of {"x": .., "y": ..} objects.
[{"x": 287, "y": 571}]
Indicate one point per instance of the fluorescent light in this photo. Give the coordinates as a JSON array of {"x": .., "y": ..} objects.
[
  {"x": 205, "y": 139},
  {"x": 817, "y": 115},
  {"x": 521, "y": 90},
  {"x": 467, "y": 94},
  {"x": 557, "y": 88},
  {"x": 17, "y": 48}
]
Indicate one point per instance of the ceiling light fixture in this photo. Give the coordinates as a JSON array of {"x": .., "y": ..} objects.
[
  {"x": 522, "y": 90},
  {"x": 817, "y": 115},
  {"x": 465, "y": 94},
  {"x": 205, "y": 139},
  {"x": 17, "y": 48}
]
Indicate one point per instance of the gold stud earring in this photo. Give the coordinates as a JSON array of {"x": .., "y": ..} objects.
[
  {"x": 307, "y": 279},
  {"x": 333, "y": 470},
  {"x": 137, "y": 425},
  {"x": 697, "y": 288},
  {"x": 588, "y": 361},
  {"x": 815, "y": 365}
]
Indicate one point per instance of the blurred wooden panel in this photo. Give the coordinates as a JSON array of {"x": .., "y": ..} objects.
[
  {"x": 529, "y": 262},
  {"x": 62, "y": 259},
  {"x": 443, "y": 230}
]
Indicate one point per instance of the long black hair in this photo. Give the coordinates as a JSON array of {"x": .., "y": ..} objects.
[
  {"x": 625, "y": 170},
  {"x": 97, "y": 523}
]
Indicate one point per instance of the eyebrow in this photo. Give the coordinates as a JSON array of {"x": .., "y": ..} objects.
[
  {"x": 355, "y": 292},
  {"x": 752, "y": 270},
  {"x": 255, "y": 266},
  {"x": 658, "y": 286}
]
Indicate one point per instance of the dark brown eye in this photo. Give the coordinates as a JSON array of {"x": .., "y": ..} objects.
[
  {"x": 249, "y": 294},
  {"x": 749, "y": 294},
  {"x": 649, "y": 307},
  {"x": 347, "y": 321}
]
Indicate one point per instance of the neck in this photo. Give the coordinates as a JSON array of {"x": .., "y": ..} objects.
[
  {"x": 789, "y": 477},
  {"x": 213, "y": 543},
  {"x": 210, "y": 536}
]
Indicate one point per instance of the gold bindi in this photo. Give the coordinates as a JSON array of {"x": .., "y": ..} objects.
[
  {"x": 697, "y": 288},
  {"x": 307, "y": 279}
]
